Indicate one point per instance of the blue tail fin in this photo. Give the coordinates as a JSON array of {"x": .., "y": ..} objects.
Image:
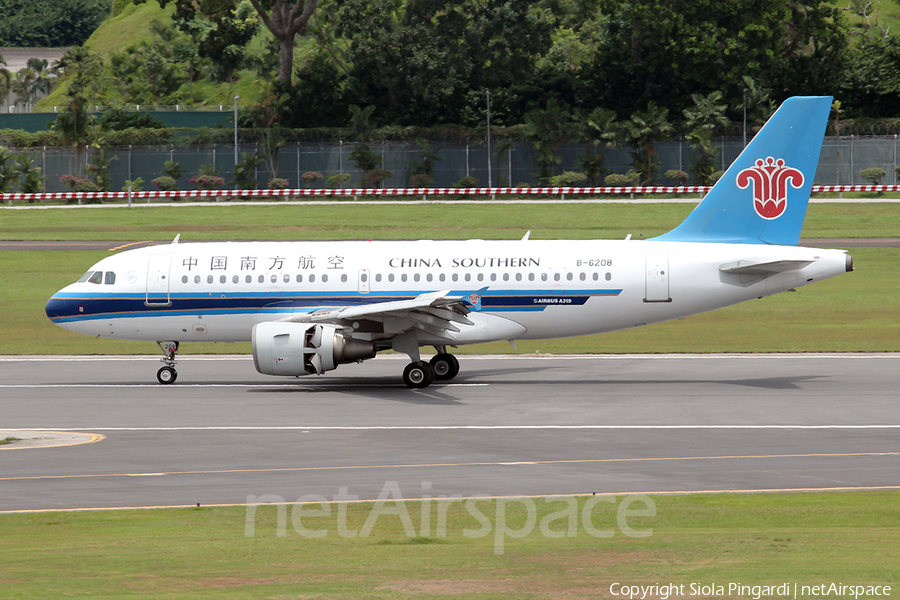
[{"x": 762, "y": 197}]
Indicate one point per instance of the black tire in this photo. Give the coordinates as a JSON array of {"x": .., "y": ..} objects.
[
  {"x": 418, "y": 374},
  {"x": 445, "y": 366},
  {"x": 166, "y": 375}
]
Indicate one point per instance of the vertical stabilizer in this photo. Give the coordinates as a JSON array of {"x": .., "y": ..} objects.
[{"x": 762, "y": 197}]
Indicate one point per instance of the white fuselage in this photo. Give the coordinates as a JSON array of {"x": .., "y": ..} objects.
[{"x": 219, "y": 291}]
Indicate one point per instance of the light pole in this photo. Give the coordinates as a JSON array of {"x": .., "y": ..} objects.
[
  {"x": 236, "y": 98},
  {"x": 490, "y": 180}
]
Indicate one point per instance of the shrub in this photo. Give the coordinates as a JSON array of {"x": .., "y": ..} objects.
[
  {"x": 310, "y": 177},
  {"x": 679, "y": 177},
  {"x": 137, "y": 185},
  {"x": 568, "y": 179},
  {"x": 277, "y": 183},
  {"x": 873, "y": 175},
  {"x": 466, "y": 182},
  {"x": 618, "y": 180},
  {"x": 374, "y": 178},
  {"x": 207, "y": 182},
  {"x": 421, "y": 180},
  {"x": 164, "y": 183},
  {"x": 337, "y": 180}
]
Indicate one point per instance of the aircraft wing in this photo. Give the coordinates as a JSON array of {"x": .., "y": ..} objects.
[{"x": 436, "y": 313}]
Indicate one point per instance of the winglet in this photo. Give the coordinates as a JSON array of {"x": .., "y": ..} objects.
[{"x": 762, "y": 197}]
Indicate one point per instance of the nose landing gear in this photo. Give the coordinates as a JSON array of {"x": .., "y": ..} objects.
[{"x": 167, "y": 374}]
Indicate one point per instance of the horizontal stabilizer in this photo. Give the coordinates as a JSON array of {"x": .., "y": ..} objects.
[{"x": 764, "y": 268}]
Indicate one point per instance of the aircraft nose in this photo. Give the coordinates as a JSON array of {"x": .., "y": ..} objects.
[{"x": 56, "y": 307}]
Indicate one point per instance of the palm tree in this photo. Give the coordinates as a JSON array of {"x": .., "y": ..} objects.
[
  {"x": 707, "y": 114},
  {"x": 5, "y": 81},
  {"x": 546, "y": 129},
  {"x": 600, "y": 128},
  {"x": 640, "y": 132}
]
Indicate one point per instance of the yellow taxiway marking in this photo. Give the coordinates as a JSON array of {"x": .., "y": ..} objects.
[
  {"x": 460, "y": 464},
  {"x": 52, "y": 439}
]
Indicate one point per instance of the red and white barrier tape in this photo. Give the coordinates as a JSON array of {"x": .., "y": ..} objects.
[{"x": 343, "y": 192}]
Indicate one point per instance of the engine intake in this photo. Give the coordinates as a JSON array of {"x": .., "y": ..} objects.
[{"x": 293, "y": 349}]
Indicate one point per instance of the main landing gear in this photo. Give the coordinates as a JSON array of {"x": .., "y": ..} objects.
[
  {"x": 420, "y": 374},
  {"x": 167, "y": 374}
]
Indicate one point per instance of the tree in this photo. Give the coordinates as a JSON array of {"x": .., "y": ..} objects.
[
  {"x": 707, "y": 114},
  {"x": 285, "y": 22},
  {"x": 50, "y": 23},
  {"x": 547, "y": 128},
  {"x": 640, "y": 132},
  {"x": 221, "y": 30},
  {"x": 82, "y": 69},
  {"x": 5, "y": 81},
  {"x": 599, "y": 127}
]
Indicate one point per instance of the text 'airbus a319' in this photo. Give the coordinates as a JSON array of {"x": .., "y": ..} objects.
[{"x": 308, "y": 307}]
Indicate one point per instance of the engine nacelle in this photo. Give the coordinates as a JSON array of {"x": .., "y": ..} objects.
[{"x": 293, "y": 349}]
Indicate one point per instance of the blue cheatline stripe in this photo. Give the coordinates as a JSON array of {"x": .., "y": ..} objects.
[{"x": 65, "y": 307}]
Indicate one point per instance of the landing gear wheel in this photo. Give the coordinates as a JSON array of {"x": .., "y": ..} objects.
[
  {"x": 445, "y": 366},
  {"x": 166, "y": 375},
  {"x": 418, "y": 374}
]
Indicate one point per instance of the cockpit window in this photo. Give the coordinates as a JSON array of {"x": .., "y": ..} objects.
[
  {"x": 84, "y": 277},
  {"x": 96, "y": 277},
  {"x": 110, "y": 278}
]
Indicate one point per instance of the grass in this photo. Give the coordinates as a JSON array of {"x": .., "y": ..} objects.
[
  {"x": 8, "y": 440},
  {"x": 857, "y": 312},
  {"x": 754, "y": 539},
  {"x": 351, "y": 221}
]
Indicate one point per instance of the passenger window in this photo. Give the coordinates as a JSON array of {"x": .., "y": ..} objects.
[
  {"x": 248, "y": 278},
  {"x": 518, "y": 277},
  {"x": 493, "y": 277},
  {"x": 596, "y": 276},
  {"x": 312, "y": 278},
  {"x": 556, "y": 277},
  {"x": 429, "y": 277},
  {"x": 543, "y": 277},
  {"x": 570, "y": 276},
  {"x": 324, "y": 278},
  {"x": 609, "y": 276},
  {"x": 184, "y": 279},
  {"x": 196, "y": 279},
  {"x": 222, "y": 278},
  {"x": 378, "y": 277},
  {"x": 403, "y": 277},
  {"x": 416, "y": 277},
  {"x": 362, "y": 277},
  {"x": 274, "y": 278},
  {"x": 390, "y": 277},
  {"x": 582, "y": 276},
  {"x": 442, "y": 277},
  {"x": 209, "y": 279},
  {"x": 96, "y": 277},
  {"x": 299, "y": 278},
  {"x": 262, "y": 278},
  {"x": 235, "y": 279},
  {"x": 531, "y": 277},
  {"x": 110, "y": 278},
  {"x": 287, "y": 278},
  {"x": 455, "y": 277}
]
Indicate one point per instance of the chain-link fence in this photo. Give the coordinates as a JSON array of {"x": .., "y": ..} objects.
[{"x": 840, "y": 163}]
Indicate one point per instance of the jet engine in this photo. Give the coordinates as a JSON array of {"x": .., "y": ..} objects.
[{"x": 293, "y": 349}]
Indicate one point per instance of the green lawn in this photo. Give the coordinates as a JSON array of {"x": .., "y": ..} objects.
[{"x": 751, "y": 539}]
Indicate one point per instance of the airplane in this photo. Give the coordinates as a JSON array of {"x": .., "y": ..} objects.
[{"x": 308, "y": 307}]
